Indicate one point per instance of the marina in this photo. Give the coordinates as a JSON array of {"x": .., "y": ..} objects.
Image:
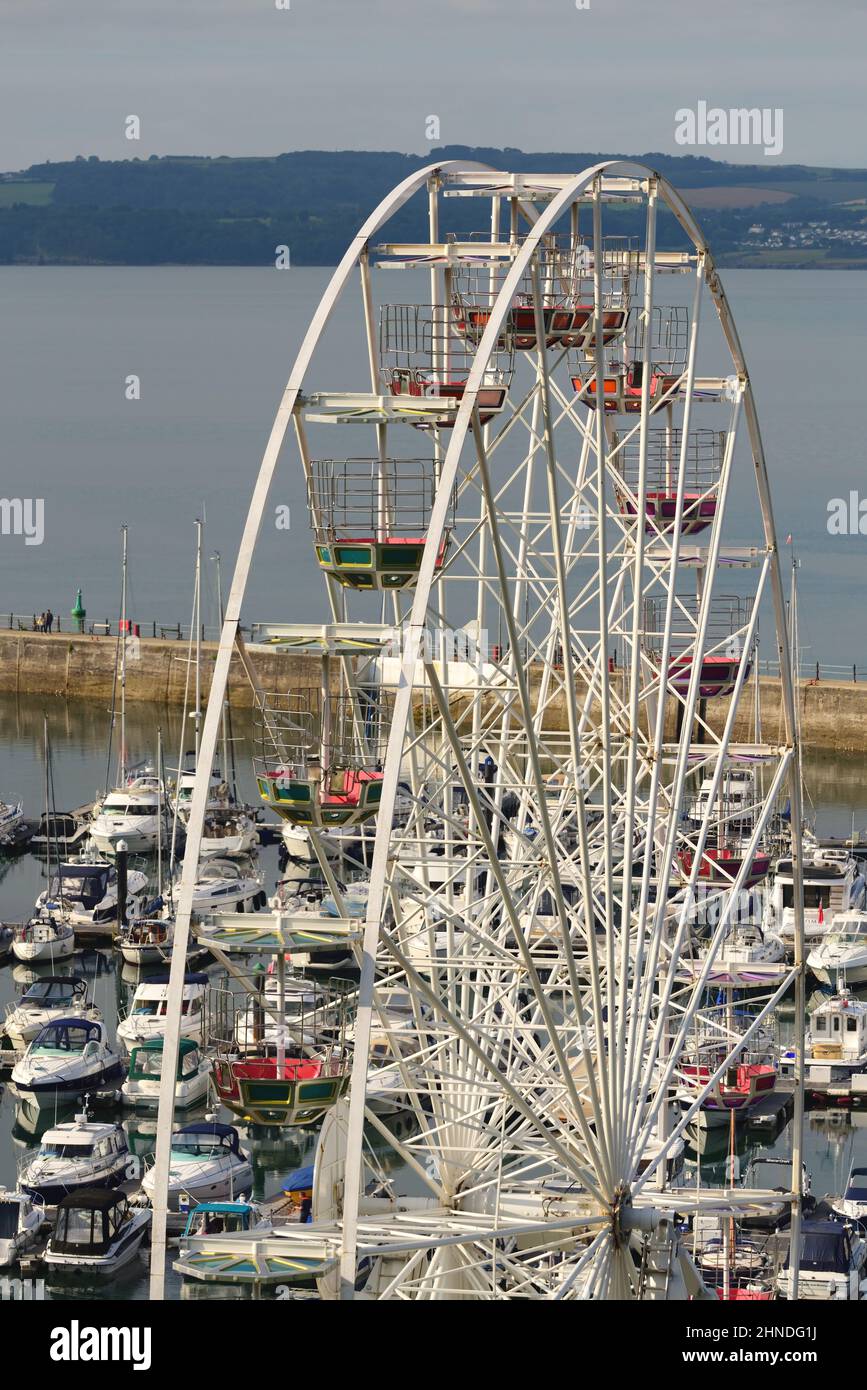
[{"x": 494, "y": 933}]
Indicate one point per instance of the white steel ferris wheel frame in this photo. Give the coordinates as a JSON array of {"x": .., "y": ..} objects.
[{"x": 563, "y": 194}]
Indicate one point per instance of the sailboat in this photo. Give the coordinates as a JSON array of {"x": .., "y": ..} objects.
[
  {"x": 130, "y": 813},
  {"x": 229, "y": 832}
]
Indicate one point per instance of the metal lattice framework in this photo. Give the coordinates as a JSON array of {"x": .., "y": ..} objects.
[{"x": 540, "y": 854}]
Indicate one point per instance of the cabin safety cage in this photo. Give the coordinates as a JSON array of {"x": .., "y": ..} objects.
[{"x": 532, "y": 879}]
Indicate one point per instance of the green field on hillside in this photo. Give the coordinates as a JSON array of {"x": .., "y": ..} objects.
[{"x": 37, "y": 194}]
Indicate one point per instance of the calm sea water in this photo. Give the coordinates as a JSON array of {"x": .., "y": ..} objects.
[{"x": 213, "y": 349}]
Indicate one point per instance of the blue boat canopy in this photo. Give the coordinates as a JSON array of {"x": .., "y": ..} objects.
[
  {"x": 301, "y": 1180},
  {"x": 824, "y": 1247},
  {"x": 214, "y": 1131},
  {"x": 68, "y": 1033},
  {"x": 194, "y": 979}
]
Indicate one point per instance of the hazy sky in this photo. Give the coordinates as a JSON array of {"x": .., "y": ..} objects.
[{"x": 244, "y": 77}]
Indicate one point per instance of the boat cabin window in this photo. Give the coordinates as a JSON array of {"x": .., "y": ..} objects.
[
  {"x": 64, "y": 1039},
  {"x": 821, "y": 1023},
  {"x": 835, "y": 1023},
  {"x": 64, "y": 1150},
  {"x": 189, "y": 1063},
  {"x": 147, "y": 1064},
  {"x": 851, "y": 1025},
  {"x": 115, "y": 1218},
  {"x": 8, "y": 1219},
  {"x": 75, "y": 1227},
  {"x": 149, "y": 1008},
  {"x": 212, "y": 1223},
  {"x": 88, "y": 889},
  {"x": 50, "y": 991},
  {"x": 198, "y": 1145},
  {"x": 815, "y": 895}
]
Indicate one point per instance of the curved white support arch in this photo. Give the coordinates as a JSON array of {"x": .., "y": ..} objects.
[{"x": 220, "y": 680}]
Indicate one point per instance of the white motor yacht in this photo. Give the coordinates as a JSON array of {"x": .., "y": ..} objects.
[
  {"x": 22, "y": 1219},
  {"x": 97, "y": 1231},
  {"x": 831, "y": 1264},
  {"x": 134, "y": 815},
  {"x": 74, "y": 1156},
  {"x": 835, "y": 1049},
  {"x": 207, "y": 1164},
  {"x": 225, "y": 883},
  {"x": 228, "y": 833},
  {"x": 67, "y": 1059},
  {"x": 54, "y": 996},
  {"x": 181, "y": 795},
  {"x": 842, "y": 954},
  {"x": 84, "y": 893},
  {"x": 142, "y": 1085},
  {"x": 833, "y": 883},
  {"x": 147, "y": 1013}
]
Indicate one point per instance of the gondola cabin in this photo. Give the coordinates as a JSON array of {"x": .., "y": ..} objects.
[
  {"x": 268, "y": 1090},
  {"x": 622, "y": 393},
  {"x": 370, "y": 519},
  {"x": 408, "y": 385},
  {"x": 718, "y": 674},
  {"x": 342, "y": 796},
  {"x": 722, "y": 864},
  {"x": 660, "y": 508}
]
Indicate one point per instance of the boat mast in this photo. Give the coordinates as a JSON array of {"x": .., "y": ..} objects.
[
  {"x": 159, "y": 811},
  {"x": 225, "y": 732},
  {"x": 49, "y": 824},
  {"x": 123, "y": 637},
  {"x": 198, "y": 612}
]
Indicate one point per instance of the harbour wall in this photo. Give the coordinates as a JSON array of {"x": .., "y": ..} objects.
[{"x": 833, "y": 713}]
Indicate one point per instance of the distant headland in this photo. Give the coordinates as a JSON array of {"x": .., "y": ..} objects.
[{"x": 186, "y": 210}]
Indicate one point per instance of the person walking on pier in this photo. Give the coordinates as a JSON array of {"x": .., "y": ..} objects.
[{"x": 49, "y": 620}]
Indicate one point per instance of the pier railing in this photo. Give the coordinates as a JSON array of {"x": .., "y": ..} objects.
[
  {"x": 810, "y": 671},
  {"x": 108, "y": 627}
]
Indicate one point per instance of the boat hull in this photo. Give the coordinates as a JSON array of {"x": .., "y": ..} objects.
[{"x": 45, "y": 952}]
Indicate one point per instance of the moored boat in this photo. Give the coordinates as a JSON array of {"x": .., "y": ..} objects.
[
  {"x": 73, "y": 1156},
  {"x": 97, "y": 1231},
  {"x": 69, "y": 1058},
  {"x": 142, "y": 1085},
  {"x": 84, "y": 892},
  {"x": 842, "y": 954},
  {"x": 54, "y": 996},
  {"x": 830, "y": 1266},
  {"x": 22, "y": 1219},
  {"x": 45, "y": 939},
  {"x": 206, "y": 1164},
  {"x": 131, "y": 815},
  {"x": 147, "y": 1014}
]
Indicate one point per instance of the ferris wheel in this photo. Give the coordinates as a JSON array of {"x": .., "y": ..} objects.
[{"x": 546, "y": 549}]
